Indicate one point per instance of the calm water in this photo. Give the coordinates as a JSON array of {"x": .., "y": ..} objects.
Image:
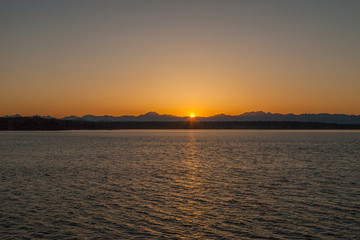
[{"x": 180, "y": 184}]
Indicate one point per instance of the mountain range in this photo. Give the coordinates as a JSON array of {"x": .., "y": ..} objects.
[{"x": 248, "y": 116}]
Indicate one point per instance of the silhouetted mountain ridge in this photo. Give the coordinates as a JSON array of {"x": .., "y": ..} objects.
[
  {"x": 248, "y": 116},
  {"x": 306, "y": 117}
]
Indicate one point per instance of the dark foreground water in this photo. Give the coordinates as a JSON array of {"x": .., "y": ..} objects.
[{"x": 180, "y": 185}]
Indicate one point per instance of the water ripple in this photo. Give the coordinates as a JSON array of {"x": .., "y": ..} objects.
[{"x": 180, "y": 185}]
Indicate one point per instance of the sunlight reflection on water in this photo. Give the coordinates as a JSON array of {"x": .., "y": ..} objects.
[{"x": 180, "y": 184}]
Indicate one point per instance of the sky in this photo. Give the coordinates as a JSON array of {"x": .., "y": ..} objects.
[{"x": 208, "y": 57}]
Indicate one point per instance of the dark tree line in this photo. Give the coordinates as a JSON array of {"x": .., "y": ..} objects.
[{"x": 37, "y": 123}]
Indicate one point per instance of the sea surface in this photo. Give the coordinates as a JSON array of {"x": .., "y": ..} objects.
[{"x": 180, "y": 184}]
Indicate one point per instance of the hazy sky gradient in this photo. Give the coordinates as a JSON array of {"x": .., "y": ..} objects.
[{"x": 128, "y": 57}]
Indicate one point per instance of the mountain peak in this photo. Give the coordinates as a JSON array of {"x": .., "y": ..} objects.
[
  {"x": 151, "y": 114},
  {"x": 12, "y": 116},
  {"x": 254, "y": 113}
]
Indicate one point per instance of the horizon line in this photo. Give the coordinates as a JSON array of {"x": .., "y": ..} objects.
[{"x": 173, "y": 115}]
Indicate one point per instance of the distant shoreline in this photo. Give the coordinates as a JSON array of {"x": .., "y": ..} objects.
[{"x": 37, "y": 123}]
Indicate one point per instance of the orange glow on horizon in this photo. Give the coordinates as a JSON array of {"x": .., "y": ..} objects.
[{"x": 178, "y": 59}]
